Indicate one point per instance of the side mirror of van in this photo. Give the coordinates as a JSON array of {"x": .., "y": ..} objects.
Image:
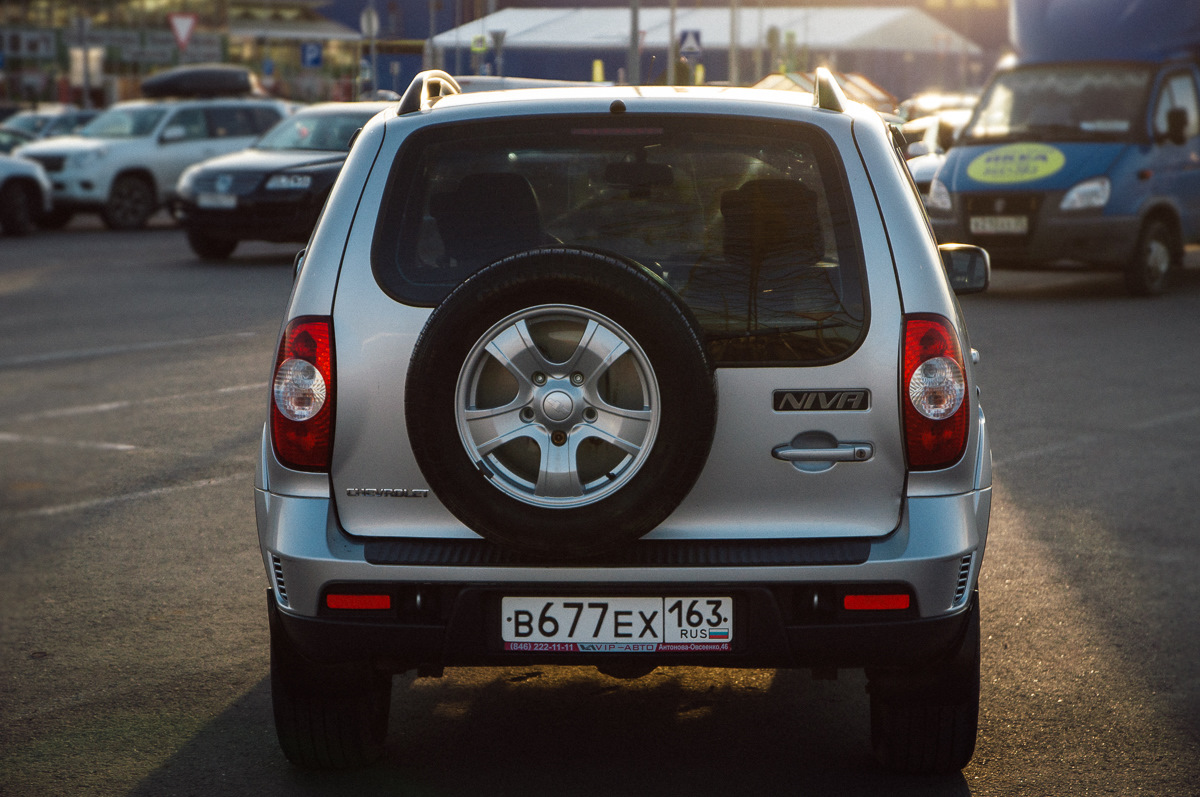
[
  {"x": 969, "y": 268},
  {"x": 298, "y": 263},
  {"x": 173, "y": 133},
  {"x": 1177, "y": 122}
]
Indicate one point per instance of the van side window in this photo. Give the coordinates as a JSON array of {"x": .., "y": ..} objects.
[{"x": 1179, "y": 91}]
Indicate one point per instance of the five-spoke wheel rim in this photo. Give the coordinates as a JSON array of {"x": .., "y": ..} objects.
[{"x": 558, "y": 405}]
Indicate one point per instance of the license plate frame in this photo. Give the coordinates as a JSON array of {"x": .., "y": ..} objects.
[
  {"x": 614, "y": 625},
  {"x": 999, "y": 225},
  {"x": 214, "y": 201}
]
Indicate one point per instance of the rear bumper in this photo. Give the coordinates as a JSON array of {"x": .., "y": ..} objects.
[
  {"x": 446, "y": 612},
  {"x": 769, "y": 632}
]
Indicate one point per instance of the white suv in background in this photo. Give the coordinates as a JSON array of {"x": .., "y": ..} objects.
[{"x": 125, "y": 162}]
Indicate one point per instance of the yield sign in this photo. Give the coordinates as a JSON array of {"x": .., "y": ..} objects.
[
  {"x": 689, "y": 42},
  {"x": 182, "y": 26}
]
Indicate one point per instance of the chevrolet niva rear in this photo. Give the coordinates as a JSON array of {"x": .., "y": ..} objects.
[{"x": 625, "y": 377}]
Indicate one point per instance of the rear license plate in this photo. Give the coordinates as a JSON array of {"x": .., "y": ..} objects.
[
  {"x": 617, "y": 625},
  {"x": 217, "y": 201},
  {"x": 1000, "y": 225}
]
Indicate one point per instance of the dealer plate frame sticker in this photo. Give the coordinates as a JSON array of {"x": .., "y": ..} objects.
[{"x": 660, "y": 624}]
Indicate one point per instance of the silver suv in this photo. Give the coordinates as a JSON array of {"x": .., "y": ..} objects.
[{"x": 625, "y": 377}]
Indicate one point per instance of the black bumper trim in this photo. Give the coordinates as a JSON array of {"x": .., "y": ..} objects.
[{"x": 643, "y": 553}]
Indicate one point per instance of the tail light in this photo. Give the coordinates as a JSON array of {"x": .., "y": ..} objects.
[
  {"x": 302, "y": 395},
  {"x": 936, "y": 418}
]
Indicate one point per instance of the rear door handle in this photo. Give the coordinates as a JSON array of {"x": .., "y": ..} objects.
[{"x": 844, "y": 452}]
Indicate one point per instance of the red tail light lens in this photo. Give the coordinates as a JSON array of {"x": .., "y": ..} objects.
[
  {"x": 936, "y": 419},
  {"x": 302, "y": 395}
]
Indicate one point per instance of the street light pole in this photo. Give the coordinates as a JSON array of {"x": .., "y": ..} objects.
[{"x": 633, "y": 69}]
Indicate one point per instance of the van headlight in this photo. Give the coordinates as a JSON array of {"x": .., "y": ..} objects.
[
  {"x": 1089, "y": 194},
  {"x": 939, "y": 197}
]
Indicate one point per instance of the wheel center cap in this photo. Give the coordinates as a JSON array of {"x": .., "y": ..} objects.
[{"x": 558, "y": 405}]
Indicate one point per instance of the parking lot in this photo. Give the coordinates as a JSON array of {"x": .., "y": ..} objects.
[{"x": 133, "y": 639}]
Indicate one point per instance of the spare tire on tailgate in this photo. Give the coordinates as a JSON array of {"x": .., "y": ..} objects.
[{"x": 560, "y": 402}]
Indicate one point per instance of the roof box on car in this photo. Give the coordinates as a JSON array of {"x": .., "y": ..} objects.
[{"x": 201, "y": 80}]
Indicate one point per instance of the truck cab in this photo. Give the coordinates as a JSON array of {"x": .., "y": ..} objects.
[{"x": 1085, "y": 159}]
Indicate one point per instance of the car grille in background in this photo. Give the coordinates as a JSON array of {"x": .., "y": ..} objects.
[
  {"x": 243, "y": 182},
  {"x": 964, "y": 578},
  {"x": 51, "y": 163},
  {"x": 280, "y": 588}
]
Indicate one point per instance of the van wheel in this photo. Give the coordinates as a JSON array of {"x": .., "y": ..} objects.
[
  {"x": 1156, "y": 256},
  {"x": 16, "y": 216},
  {"x": 327, "y": 716},
  {"x": 210, "y": 247},
  {"x": 131, "y": 202},
  {"x": 925, "y": 722},
  {"x": 560, "y": 402}
]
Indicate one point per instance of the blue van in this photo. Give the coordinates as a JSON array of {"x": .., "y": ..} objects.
[{"x": 1085, "y": 145}]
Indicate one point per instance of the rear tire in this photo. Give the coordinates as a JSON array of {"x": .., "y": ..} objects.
[
  {"x": 1156, "y": 256},
  {"x": 327, "y": 716},
  {"x": 131, "y": 203},
  {"x": 925, "y": 722},
  {"x": 16, "y": 213},
  {"x": 209, "y": 247}
]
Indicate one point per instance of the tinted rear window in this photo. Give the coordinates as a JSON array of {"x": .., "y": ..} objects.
[{"x": 749, "y": 222}]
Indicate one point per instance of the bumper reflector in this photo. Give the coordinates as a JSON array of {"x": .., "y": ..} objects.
[
  {"x": 875, "y": 603},
  {"x": 358, "y": 602}
]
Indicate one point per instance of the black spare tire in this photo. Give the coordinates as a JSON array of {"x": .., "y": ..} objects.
[{"x": 560, "y": 402}]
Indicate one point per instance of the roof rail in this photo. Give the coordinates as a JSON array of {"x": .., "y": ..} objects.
[
  {"x": 828, "y": 94},
  {"x": 426, "y": 89}
]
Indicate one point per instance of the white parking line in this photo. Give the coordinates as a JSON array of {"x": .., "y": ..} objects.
[
  {"x": 62, "y": 509},
  {"x": 88, "y": 409},
  {"x": 1089, "y": 439},
  {"x": 105, "y": 351},
  {"x": 6, "y": 437}
]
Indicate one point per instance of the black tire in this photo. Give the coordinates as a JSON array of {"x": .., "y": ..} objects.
[
  {"x": 925, "y": 722},
  {"x": 1155, "y": 258},
  {"x": 55, "y": 219},
  {"x": 16, "y": 209},
  {"x": 658, "y": 400},
  {"x": 131, "y": 203},
  {"x": 210, "y": 247},
  {"x": 327, "y": 716}
]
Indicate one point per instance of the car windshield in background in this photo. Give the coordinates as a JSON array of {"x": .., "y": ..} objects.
[
  {"x": 749, "y": 224},
  {"x": 1075, "y": 102},
  {"x": 315, "y": 131},
  {"x": 123, "y": 123},
  {"x": 29, "y": 122}
]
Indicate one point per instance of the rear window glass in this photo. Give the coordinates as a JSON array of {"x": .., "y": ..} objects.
[{"x": 749, "y": 222}]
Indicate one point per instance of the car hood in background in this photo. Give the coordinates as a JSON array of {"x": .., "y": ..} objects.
[
  {"x": 269, "y": 160},
  {"x": 1027, "y": 165}
]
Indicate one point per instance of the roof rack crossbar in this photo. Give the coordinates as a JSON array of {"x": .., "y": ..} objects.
[
  {"x": 427, "y": 88},
  {"x": 828, "y": 95}
]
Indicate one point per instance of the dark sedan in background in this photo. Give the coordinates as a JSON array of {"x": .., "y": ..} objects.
[{"x": 272, "y": 191}]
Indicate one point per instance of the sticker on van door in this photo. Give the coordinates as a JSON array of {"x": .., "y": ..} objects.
[{"x": 1016, "y": 163}]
